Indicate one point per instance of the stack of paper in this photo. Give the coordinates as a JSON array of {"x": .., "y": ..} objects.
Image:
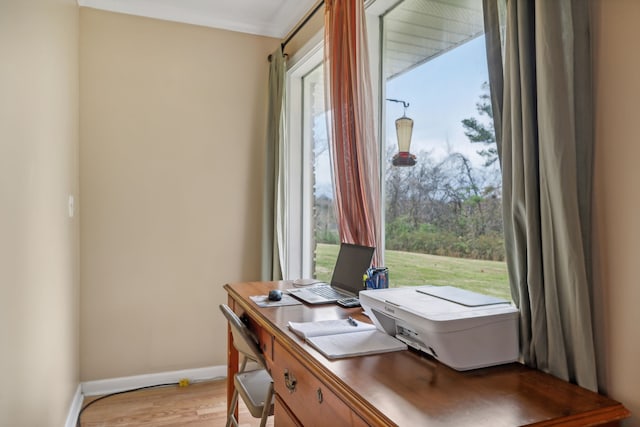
[{"x": 346, "y": 338}]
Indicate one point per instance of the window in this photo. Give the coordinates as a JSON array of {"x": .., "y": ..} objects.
[
  {"x": 312, "y": 244},
  {"x": 324, "y": 238},
  {"x": 442, "y": 217}
]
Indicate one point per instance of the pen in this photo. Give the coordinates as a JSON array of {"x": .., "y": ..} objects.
[{"x": 351, "y": 321}]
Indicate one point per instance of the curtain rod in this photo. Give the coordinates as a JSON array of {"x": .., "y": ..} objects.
[{"x": 300, "y": 25}]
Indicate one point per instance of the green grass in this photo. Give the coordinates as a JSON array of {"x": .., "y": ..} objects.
[{"x": 413, "y": 269}]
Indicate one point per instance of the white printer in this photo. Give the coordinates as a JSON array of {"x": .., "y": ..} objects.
[{"x": 462, "y": 329}]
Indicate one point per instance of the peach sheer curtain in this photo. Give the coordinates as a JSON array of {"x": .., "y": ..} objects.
[{"x": 352, "y": 139}]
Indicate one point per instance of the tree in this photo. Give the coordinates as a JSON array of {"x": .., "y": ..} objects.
[{"x": 483, "y": 133}]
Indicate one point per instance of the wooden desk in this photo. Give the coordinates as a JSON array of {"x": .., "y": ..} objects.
[{"x": 401, "y": 388}]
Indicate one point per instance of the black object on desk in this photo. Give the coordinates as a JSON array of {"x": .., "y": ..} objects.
[{"x": 275, "y": 295}]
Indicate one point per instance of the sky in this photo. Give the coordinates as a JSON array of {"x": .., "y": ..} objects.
[{"x": 441, "y": 93}]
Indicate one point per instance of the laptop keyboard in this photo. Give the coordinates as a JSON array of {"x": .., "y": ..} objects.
[{"x": 327, "y": 292}]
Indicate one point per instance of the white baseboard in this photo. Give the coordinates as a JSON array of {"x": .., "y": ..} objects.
[
  {"x": 74, "y": 409},
  {"x": 113, "y": 385}
]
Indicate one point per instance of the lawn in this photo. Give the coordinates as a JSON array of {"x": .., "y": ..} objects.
[{"x": 412, "y": 269}]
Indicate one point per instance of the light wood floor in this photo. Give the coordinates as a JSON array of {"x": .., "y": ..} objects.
[{"x": 198, "y": 405}]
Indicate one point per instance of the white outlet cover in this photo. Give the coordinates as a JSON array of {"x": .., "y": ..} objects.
[{"x": 71, "y": 206}]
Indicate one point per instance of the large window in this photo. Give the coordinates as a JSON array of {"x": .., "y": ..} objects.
[{"x": 442, "y": 217}]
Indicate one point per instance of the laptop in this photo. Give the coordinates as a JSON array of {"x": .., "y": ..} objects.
[{"x": 346, "y": 281}]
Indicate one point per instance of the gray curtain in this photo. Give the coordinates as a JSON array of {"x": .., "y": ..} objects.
[
  {"x": 540, "y": 76},
  {"x": 273, "y": 216}
]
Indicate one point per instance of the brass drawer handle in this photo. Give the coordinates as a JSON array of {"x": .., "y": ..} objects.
[
  {"x": 289, "y": 381},
  {"x": 319, "y": 395}
]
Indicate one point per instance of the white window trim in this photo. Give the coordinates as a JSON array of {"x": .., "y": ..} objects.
[{"x": 299, "y": 203}]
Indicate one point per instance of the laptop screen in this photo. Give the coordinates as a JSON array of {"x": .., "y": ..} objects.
[{"x": 351, "y": 265}]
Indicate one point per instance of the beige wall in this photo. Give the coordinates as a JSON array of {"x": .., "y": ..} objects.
[
  {"x": 38, "y": 241},
  {"x": 173, "y": 121},
  {"x": 617, "y": 192}
]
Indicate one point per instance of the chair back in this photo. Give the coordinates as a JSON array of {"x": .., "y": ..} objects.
[{"x": 243, "y": 339}]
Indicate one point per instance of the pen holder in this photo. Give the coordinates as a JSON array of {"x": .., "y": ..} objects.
[{"x": 377, "y": 278}]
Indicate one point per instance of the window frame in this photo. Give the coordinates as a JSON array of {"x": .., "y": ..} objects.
[{"x": 299, "y": 205}]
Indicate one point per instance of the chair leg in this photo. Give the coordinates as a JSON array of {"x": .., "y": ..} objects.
[
  {"x": 267, "y": 406},
  {"x": 234, "y": 399},
  {"x": 231, "y": 416}
]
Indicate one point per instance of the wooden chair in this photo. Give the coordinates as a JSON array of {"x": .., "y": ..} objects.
[{"x": 254, "y": 386}]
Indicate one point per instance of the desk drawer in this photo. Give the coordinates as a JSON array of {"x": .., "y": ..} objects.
[
  {"x": 282, "y": 416},
  {"x": 311, "y": 402},
  {"x": 265, "y": 340}
]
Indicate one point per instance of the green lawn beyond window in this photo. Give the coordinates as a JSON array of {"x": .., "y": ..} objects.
[{"x": 413, "y": 269}]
